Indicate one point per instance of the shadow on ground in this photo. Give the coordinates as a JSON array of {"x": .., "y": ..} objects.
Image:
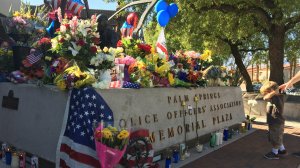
[{"x": 248, "y": 152}]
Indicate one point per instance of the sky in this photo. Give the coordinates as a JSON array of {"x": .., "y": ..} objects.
[{"x": 93, "y": 4}]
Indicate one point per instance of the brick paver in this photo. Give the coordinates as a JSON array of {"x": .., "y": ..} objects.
[{"x": 248, "y": 152}]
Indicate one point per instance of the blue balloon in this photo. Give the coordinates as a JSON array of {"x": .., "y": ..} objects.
[
  {"x": 50, "y": 30},
  {"x": 163, "y": 18},
  {"x": 161, "y": 5},
  {"x": 172, "y": 10}
]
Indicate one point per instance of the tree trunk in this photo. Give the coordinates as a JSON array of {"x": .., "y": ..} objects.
[
  {"x": 239, "y": 62},
  {"x": 252, "y": 72},
  {"x": 295, "y": 66},
  {"x": 257, "y": 72},
  {"x": 291, "y": 68},
  {"x": 276, "y": 53}
]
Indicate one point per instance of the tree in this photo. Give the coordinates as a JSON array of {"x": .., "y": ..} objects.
[{"x": 273, "y": 18}]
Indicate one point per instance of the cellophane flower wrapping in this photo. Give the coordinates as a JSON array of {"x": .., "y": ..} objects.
[{"x": 110, "y": 144}]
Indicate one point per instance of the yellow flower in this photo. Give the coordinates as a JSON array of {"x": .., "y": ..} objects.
[
  {"x": 61, "y": 85},
  {"x": 123, "y": 134},
  {"x": 208, "y": 52},
  {"x": 105, "y": 49},
  {"x": 153, "y": 50},
  {"x": 16, "y": 13},
  {"x": 106, "y": 133}
]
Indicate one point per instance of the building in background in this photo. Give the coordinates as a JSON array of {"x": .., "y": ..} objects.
[
  {"x": 261, "y": 73},
  {"x": 5, "y": 5}
]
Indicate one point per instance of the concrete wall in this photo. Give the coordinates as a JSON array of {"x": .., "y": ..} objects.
[
  {"x": 35, "y": 126},
  {"x": 291, "y": 107}
]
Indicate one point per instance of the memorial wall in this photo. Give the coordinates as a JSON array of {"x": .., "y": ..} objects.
[{"x": 36, "y": 125}]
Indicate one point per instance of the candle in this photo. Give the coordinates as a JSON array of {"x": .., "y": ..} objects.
[
  {"x": 8, "y": 156},
  {"x": 183, "y": 103},
  {"x": 15, "y": 160},
  {"x": 22, "y": 160},
  {"x": 196, "y": 98}
]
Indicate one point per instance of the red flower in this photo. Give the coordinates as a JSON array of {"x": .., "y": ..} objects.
[
  {"x": 93, "y": 49},
  {"x": 119, "y": 44},
  {"x": 62, "y": 40},
  {"x": 44, "y": 40},
  {"x": 80, "y": 42},
  {"x": 67, "y": 26},
  {"x": 96, "y": 40},
  {"x": 145, "y": 47},
  {"x": 57, "y": 30}
]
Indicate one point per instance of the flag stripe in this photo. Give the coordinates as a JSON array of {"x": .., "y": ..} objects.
[
  {"x": 82, "y": 148},
  {"x": 73, "y": 163},
  {"x": 63, "y": 164},
  {"x": 79, "y": 157}
]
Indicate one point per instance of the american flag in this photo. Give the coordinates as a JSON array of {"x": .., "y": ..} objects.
[
  {"x": 131, "y": 85},
  {"x": 116, "y": 84},
  {"x": 161, "y": 46},
  {"x": 34, "y": 57},
  {"x": 76, "y": 147},
  {"x": 75, "y": 6}
]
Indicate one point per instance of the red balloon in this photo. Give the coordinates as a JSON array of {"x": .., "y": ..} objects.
[{"x": 132, "y": 19}]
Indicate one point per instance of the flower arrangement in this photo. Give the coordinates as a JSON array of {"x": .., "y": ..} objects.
[
  {"x": 76, "y": 39},
  {"x": 134, "y": 48},
  {"x": 27, "y": 23},
  {"x": 104, "y": 59},
  {"x": 73, "y": 77},
  {"x": 112, "y": 137},
  {"x": 111, "y": 144}
]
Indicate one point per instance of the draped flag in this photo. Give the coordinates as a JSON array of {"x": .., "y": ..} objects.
[
  {"x": 76, "y": 146},
  {"x": 75, "y": 6},
  {"x": 161, "y": 46}
]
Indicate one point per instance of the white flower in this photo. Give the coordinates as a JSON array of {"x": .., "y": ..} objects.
[
  {"x": 54, "y": 43},
  {"x": 252, "y": 102},
  {"x": 68, "y": 37},
  {"x": 63, "y": 28},
  {"x": 105, "y": 49},
  {"x": 75, "y": 49},
  {"x": 120, "y": 49}
]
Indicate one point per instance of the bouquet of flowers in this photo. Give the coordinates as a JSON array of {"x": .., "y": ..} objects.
[
  {"x": 135, "y": 48},
  {"x": 25, "y": 25},
  {"x": 76, "y": 39},
  {"x": 111, "y": 145},
  {"x": 103, "y": 62},
  {"x": 73, "y": 77}
]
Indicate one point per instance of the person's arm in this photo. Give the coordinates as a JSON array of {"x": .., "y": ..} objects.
[
  {"x": 290, "y": 83},
  {"x": 269, "y": 95}
]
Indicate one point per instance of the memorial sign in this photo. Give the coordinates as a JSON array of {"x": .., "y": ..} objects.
[{"x": 38, "y": 120}]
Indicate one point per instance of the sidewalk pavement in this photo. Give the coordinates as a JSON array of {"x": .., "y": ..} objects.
[{"x": 248, "y": 151}]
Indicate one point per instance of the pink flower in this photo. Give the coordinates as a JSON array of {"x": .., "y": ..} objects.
[{"x": 93, "y": 19}]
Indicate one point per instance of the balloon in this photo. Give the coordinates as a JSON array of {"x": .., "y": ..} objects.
[
  {"x": 160, "y": 5},
  {"x": 163, "y": 18},
  {"x": 50, "y": 30},
  {"x": 172, "y": 10}
]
